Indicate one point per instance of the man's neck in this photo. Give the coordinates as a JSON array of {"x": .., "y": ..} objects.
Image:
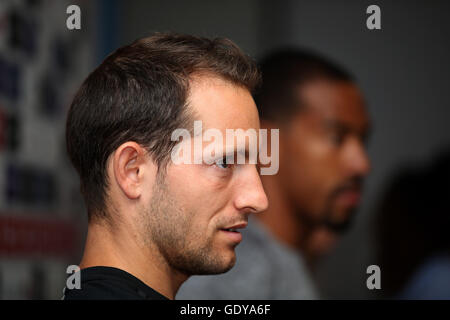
[{"x": 116, "y": 247}]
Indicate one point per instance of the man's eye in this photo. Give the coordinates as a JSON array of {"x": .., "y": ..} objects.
[
  {"x": 337, "y": 138},
  {"x": 223, "y": 163}
]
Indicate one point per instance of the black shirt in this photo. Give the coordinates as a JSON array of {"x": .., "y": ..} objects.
[{"x": 108, "y": 283}]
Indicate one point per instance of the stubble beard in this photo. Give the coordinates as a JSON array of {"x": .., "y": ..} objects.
[{"x": 168, "y": 228}]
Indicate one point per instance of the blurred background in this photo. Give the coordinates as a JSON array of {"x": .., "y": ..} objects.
[{"x": 402, "y": 69}]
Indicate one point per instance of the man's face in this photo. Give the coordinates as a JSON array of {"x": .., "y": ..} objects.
[
  {"x": 193, "y": 204},
  {"x": 323, "y": 159}
]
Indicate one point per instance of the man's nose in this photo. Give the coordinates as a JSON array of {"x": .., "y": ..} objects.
[
  {"x": 356, "y": 159},
  {"x": 250, "y": 194}
]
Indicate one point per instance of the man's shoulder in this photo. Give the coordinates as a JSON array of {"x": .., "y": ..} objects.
[
  {"x": 107, "y": 283},
  {"x": 260, "y": 241},
  {"x": 100, "y": 290}
]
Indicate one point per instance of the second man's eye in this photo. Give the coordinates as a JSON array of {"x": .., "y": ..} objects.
[{"x": 337, "y": 138}]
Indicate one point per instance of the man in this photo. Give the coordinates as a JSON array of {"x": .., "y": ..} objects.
[
  {"x": 323, "y": 127},
  {"x": 153, "y": 223}
]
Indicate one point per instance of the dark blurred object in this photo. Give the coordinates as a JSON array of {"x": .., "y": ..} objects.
[
  {"x": 9, "y": 131},
  {"x": 2, "y": 129},
  {"x": 10, "y": 77},
  {"x": 33, "y": 3},
  {"x": 37, "y": 288},
  {"x": 61, "y": 51},
  {"x": 23, "y": 32},
  {"x": 50, "y": 104},
  {"x": 38, "y": 237},
  {"x": 30, "y": 185},
  {"x": 12, "y": 133},
  {"x": 412, "y": 226}
]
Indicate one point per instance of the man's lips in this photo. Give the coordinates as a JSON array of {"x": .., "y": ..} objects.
[
  {"x": 349, "y": 193},
  {"x": 234, "y": 227},
  {"x": 232, "y": 233},
  {"x": 350, "y": 197}
]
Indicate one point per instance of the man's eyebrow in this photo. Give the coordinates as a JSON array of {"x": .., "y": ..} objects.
[
  {"x": 343, "y": 127},
  {"x": 232, "y": 152},
  {"x": 235, "y": 152}
]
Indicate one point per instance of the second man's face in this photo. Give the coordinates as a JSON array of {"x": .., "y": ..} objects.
[{"x": 324, "y": 159}]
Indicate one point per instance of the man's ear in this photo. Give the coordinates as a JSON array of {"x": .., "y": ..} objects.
[{"x": 129, "y": 165}]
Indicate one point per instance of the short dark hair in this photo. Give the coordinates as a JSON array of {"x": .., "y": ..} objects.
[
  {"x": 283, "y": 71},
  {"x": 139, "y": 94}
]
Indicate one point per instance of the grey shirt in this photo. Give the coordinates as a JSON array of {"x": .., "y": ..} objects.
[{"x": 264, "y": 269}]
